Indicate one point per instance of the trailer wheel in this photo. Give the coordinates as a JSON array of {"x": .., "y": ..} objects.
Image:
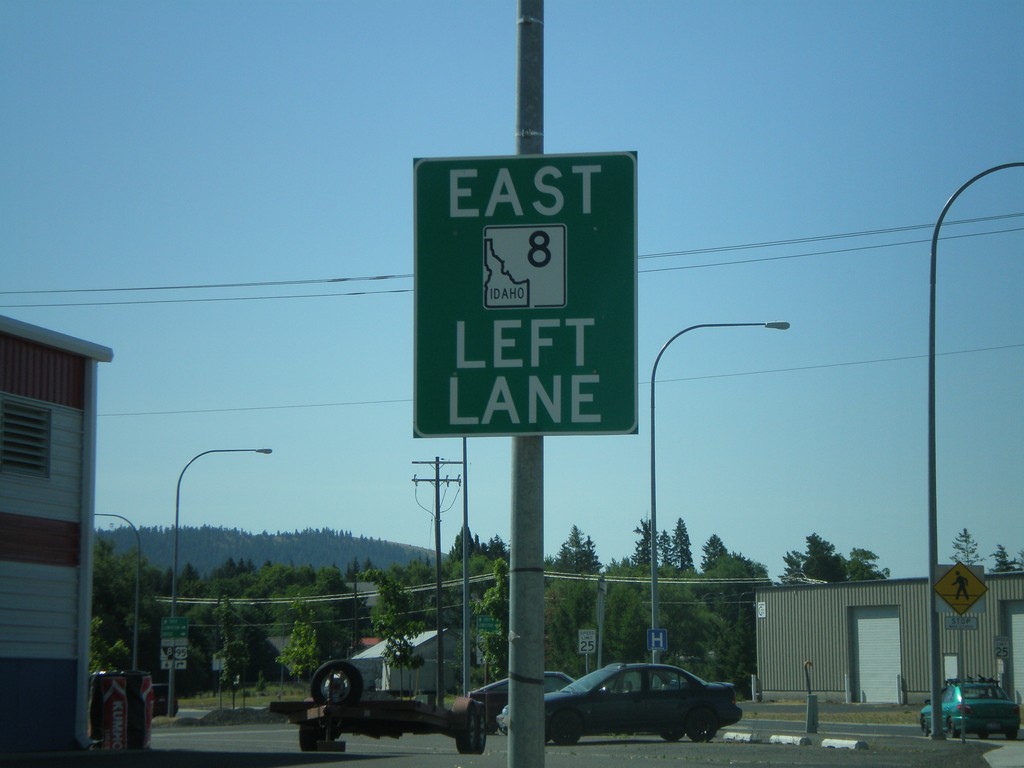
[
  {"x": 336, "y": 682},
  {"x": 473, "y": 740}
]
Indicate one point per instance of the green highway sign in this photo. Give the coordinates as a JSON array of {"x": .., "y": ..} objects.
[
  {"x": 526, "y": 295},
  {"x": 173, "y": 626}
]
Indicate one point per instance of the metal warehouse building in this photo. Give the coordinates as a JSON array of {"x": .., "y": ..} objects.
[
  {"x": 47, "y": 469},
  {"x": 868, "y": 641}
]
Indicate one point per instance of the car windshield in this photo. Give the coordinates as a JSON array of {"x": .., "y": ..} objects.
[{"x": 591, "y": 682}]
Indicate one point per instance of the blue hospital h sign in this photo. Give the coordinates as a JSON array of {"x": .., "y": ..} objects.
[{"x": 657, "y": 639}]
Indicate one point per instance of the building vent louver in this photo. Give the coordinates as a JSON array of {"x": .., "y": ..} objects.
[{"x": 24, "y": 439}]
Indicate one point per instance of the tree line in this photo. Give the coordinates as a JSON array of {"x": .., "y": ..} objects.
[
  {"x": 271, "y": 620},
  {"x": 208, "y": 547}
]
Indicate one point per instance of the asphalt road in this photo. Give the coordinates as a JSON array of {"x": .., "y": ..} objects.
[{"x": 276, "y": 746}]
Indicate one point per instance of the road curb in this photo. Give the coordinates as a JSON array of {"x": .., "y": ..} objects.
[
  {"x": 796, "y": 741},
  {"x": 745, "y": 738},
  {"x": 754, "y": 737},
  {"x": 843, "y": 744}
]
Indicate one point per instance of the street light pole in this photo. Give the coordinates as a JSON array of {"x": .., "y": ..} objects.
[
  {"x": 138, "y": 578},
  {"x": 174, "y": 570},
  {"x": 779, "y": 326},
  {"x": 466, "y": 667},
  {"x": 934, "y": 651}
]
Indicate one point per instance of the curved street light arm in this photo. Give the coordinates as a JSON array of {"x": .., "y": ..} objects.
[
  {"x": 933, "y": 506},
  {"x": 779, "y": 325},
  {"x": 177, "y": 507},
  {"x": 174, "y": 571},
  {"x": 138, "y": 579}
]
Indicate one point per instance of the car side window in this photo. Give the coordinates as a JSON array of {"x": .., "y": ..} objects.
[
  {"x": 553, "y": 684},
  {"x": 949, "y": 694},
  {"x": 629, "y": 681},
  {"x": 632, "y": 682},
  {"x": 668, "y": 680}
]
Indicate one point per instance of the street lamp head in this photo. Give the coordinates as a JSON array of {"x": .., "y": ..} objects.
[
  {"x": 264, "y": 450},
  {"x": 781, "y": 325}
]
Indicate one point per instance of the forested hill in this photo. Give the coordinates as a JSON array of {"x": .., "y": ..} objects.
[{"x": 208, "y": 548}]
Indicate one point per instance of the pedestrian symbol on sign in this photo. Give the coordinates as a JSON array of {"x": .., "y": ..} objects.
[{"x": 961, "y": 586}]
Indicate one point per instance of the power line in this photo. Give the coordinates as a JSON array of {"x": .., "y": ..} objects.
[
  {"x": 874, "y": 361},
  {"x": 480, "y": 579},
  {"x": 203, "y": 301},
  {"x": 825, "y": 253},
  {"x": 391, "y": 277},
  {"x": 261, "y": 284},
  {"x": 823, "y": 238}
]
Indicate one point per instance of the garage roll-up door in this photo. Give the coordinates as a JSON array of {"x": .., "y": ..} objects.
[
  {"x": 876, "y": 654},
  {"x": 1015, "y": 614}
]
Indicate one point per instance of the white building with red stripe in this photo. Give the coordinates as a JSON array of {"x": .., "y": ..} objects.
[{"x": 48, "y": 387}]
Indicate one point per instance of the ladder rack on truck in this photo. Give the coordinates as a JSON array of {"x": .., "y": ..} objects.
[{"x": 337, "y": 707}]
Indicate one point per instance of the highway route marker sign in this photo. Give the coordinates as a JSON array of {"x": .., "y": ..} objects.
[
  {"x": 173, "y": 642},
  {"x": 525, "y": 295}
]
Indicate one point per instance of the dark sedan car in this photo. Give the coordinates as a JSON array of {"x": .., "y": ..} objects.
[
  {"x": 160, "y": 707},
  {"x": 640, "y": 698},
  {"x": 495, "y": 695},
  {"x": 975, "y": 706}
]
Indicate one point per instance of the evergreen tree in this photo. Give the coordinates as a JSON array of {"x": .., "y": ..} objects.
[
  {"x": 577, "y": 555},
  {"x": 794, "y": 570},
  {"x": 861, "y": 566},
  {"x": 473, "y": 546},
  {"x": 665, "y": 554},
  {"x": 965, "y": 548},
  {"x": 713, "y": 549},
  {"x": 354, "y": 569},
  {"x": 820, "y": 562},
  {"x": 682, "y": 556},
  {"x": 627, "y": 610},
  {"x": 642, "y": 549},
  {"x": 1002, "y": 562},
  {"x": 731, "y": 653},
  {"x": 568, "y": 607},
  {"x": 497, "y": 548}
]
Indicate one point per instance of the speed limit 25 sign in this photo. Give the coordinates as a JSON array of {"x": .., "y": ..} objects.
[{"x": 588, "y": 641}]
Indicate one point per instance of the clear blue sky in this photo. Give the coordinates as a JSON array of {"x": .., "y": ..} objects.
[{"x": 163, "y": 144}]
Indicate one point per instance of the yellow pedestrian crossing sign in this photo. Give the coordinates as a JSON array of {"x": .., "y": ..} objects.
[{"x": 961, "y": 586}]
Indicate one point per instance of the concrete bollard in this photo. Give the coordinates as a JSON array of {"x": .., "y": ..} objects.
[{"x": 812, "y": 713}]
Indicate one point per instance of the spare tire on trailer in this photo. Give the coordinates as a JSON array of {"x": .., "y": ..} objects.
[
  {"x": 336, "y": 682},
  {"x": 471, "y": 739}
]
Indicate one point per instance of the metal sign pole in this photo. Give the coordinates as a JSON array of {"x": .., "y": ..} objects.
[{"x": 526, "y": 571}]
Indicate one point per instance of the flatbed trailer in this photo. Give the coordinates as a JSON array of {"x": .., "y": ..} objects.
[{"x": 342, "y": 709}]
